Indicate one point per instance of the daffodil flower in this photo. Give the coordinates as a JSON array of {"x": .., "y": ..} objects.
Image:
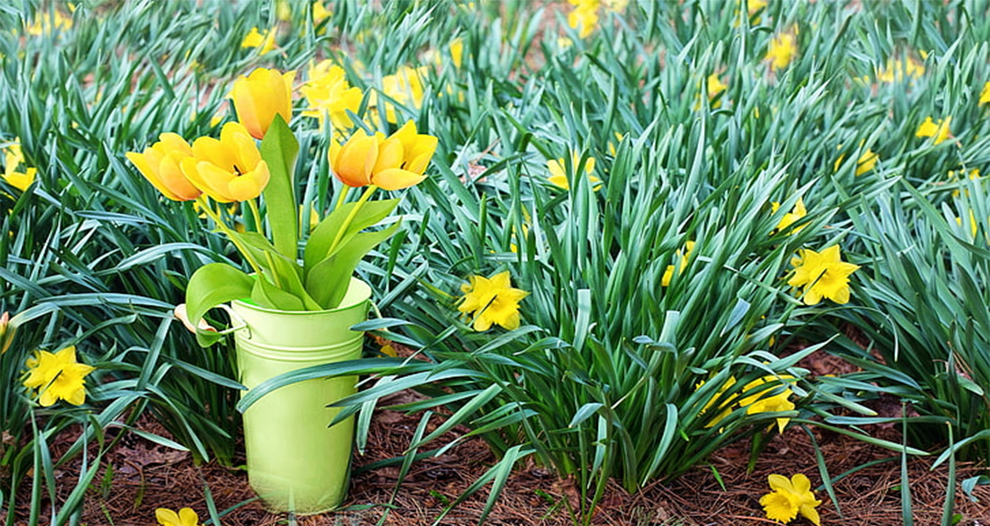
[
  {"x": 939, "y": 130},
  {"x": 185, "y": 517},
  {"x": 823, "y": 275},
  {"x": 57, "y": 377},
  {"x": 781, "y": 51},
  {"x": 493, "y": 301},
  {"x": 790, "y": 498}
]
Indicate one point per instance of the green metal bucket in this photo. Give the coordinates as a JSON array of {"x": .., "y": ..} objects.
[{"x": 295, "y": 461}]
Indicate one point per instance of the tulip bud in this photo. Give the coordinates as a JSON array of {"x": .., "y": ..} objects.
[
  {"x": 260, "y": 96},
  {"x": 6, "y": 332}
]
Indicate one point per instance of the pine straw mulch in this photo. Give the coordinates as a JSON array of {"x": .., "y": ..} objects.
[{"x": 146, "y": 476}]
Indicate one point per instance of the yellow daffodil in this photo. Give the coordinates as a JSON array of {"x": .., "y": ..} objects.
[
  {"x": 615, "y": 6},
  {"x": 714, "y": 87},
  {"x": 12, "y": 172},
  {"x": 57, "y": 377},
  {"x": 558, "y": 175},
  {"x": 7, "y": 330},
  {"x": 493, "y": 301},
  {"x": 161, "y": 165},
  {"x": 283, "y": 11},
  {"x": 405, "y": 87},
  {"x": 185, "y": 517},
  {"x": 389, "y": 163},
  {"x": 939, "y": 130},
  {"x": 985, "y": 94},
  {"x": 973, "y": 226},
  {"x": 668, "y": 274},
  {"x": 257, "y": 39},
  {"x": 781, "y": 51},
  {"x": 456, "y": 51},
  {"x": 228, "y": 169},
  {"x": 45, "y": 22},
  {"x": 725, "y": 406},
  {"x": 866, "y": 162},
  {"x": 823, "y": 275},
  {"x": 329, "y": 93},
  {"x": 790, "y": 498},
  {"x": 584, "y": 17},
  {"x": 320, "y": 14},
  {"x": 260, "y": 96},
  {"x": 974, "y": 174},
  {"x": 763, "y": 402},
  {"x": 791, "y": 217},
  {"x": 897, "y": 70}
]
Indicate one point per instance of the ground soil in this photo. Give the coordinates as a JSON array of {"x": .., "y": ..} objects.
[{"x": 145, "y": 476}]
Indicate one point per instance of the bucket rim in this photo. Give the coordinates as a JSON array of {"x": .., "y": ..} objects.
[{"x": 365, "y": 295}]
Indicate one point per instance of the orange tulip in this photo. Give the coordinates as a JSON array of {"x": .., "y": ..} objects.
[
  {"x": 390, "y": 163},
  {"x": 260, "y": 96},
  {"x": 229, "y": 169}
]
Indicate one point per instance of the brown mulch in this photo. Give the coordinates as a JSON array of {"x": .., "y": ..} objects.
[{"x": 145, "y": 476}]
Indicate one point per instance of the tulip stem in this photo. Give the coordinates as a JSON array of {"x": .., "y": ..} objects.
[
  {"x": 253, "y": 205},
  {"x": 350, "y": 217},
  {"x": 343, "y": 196},
  {"x": 205, "y": 205}
]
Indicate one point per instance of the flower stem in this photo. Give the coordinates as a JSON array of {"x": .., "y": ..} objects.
[
  {"x": 350, "y": 217},
  {"x": 343, "y": 196},
  {"x": 205, "y": 205},
  {"x": 253, "y": 204}
]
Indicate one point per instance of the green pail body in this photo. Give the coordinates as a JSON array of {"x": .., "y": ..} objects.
[{"x": 295, "y": 461}]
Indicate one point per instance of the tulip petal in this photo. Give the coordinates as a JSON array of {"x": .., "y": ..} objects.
[{"x": 396, "y": 179}]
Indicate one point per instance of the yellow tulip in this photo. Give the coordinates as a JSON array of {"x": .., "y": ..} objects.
[
  {"x": 389, "y": 163},
  {"x": 161, "y": 163},
  {"x": 260, "y": 96},
  {"x": 229, "y": 169}
]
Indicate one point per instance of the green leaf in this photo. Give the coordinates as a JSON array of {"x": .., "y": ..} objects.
[
  {"x": 279, "y": 149},
  {"x": 271, "y": 297},
  {"x": 212, "y": 285},
  {"x": 327, "y": 281},
  {"x": 318, "y": 246}
]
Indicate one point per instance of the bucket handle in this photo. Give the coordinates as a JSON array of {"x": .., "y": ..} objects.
[{"x": 237, "y": 321}]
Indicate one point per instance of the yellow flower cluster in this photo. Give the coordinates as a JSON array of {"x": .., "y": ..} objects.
[
  {"x": 866, "y": 162},
  {"x": 265, "y": 41},
  {"x": 328, "y": 93},
  {"x": 791, "y": 217},
  {"x": 493, "y": 301}
]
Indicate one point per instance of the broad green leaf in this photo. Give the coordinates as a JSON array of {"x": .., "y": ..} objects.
[
  {"x": 327, "y": 281},
  {"x": 318, "y": 245},
  {"x": 212, "y": 285},
  {"x": 271, "y": 297},
  {"x": 279, "y": 149}
]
